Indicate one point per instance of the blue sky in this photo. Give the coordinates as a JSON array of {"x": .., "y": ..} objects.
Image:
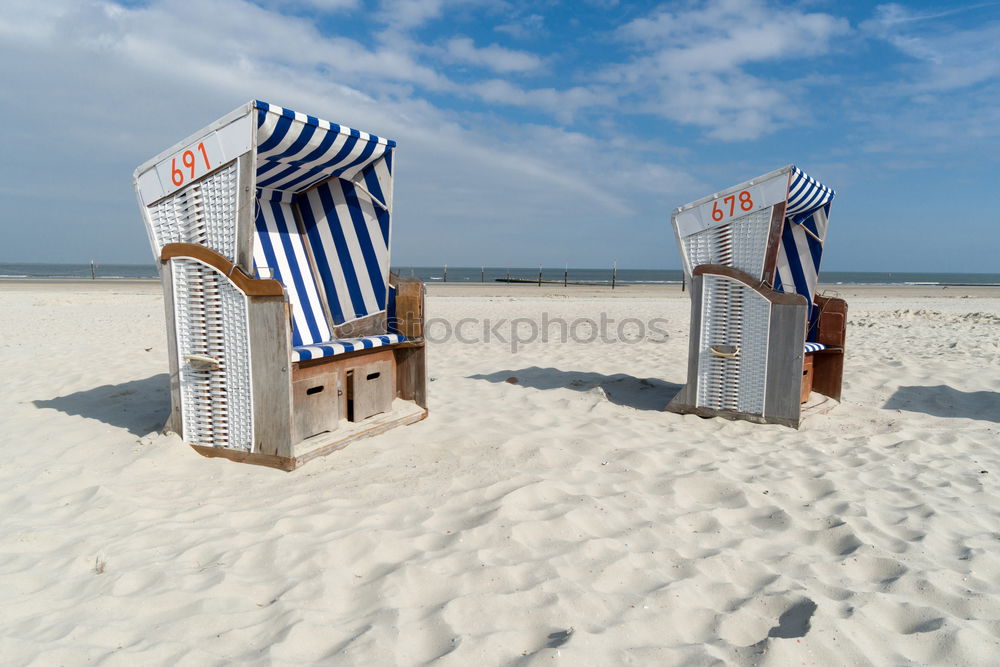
[{"x": 529, "y": 133}]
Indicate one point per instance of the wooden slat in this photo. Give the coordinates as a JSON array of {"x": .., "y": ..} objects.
[
  {"x": 174, "y": 421},
  {"x": 268, "y": 460},
  {"x": 245, "y": 200},
  {"x": 684, "y": 401},
  {"x": 774, "y": 242},
  {"x": 331, "y": 442}
]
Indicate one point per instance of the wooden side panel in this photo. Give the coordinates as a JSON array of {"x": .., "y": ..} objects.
[
  {"x": 784, "y": 363},
  {"x": 828, "y": 367},
  {"x": 411, "y": 374},
  {"x": 828, "y": 373},
  {"x": 270, "y": 358},
  {"x": 174, "y": 420},
  {"x": 684, "y": 401},
  {"x": 245, "y": 211}
]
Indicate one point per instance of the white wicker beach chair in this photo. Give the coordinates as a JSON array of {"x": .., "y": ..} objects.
[
  {"x": 761, "y": 338},
  {"x": 287, "y": 335}
]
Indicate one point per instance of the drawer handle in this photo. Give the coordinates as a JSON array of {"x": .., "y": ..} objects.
[
  {"x": 373, "y": 376},
  {"x": 314, "y": 390},
  {"x": 725, "y": 351}
]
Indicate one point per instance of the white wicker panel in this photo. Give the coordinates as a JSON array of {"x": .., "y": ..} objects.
[
  {"x": 211, "y": 320},
  {"x": 733, "y": 314},
  {"x": 741, "y": 243},
  {"x": 203, "y": 213}
]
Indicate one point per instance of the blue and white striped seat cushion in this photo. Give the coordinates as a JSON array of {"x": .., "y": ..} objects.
[
  {"x": 815, "y": 347},
  {"x": 342, "y": 345}
]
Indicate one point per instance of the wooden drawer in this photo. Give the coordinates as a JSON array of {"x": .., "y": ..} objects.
[
  {"x": 315, "y": 404},
  {"x": 370, "y": 389}
]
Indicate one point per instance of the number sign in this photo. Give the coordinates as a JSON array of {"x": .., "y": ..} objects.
[
  {"x": 732, "y": 204},
  {"x": 190, "y": 163}
]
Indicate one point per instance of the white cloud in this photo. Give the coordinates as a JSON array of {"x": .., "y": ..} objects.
[
  {"x": 405, "y": 15},
  {"x": 523, "y": 28},
  {"x": 109, "y": 86},
  {"x": 948, "y": 58},
  {"x": 321, "y": 5},
  {"x": 497, "y": 58},
  {"x": 690, "y": 63}
]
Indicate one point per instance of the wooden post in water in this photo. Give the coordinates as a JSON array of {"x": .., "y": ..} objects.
[
  {"x": 93, "y": 270},
  {"x": 566, "y": 274},
  {"x": 683, "y": 281},
  {"x": 482, "y": 274},
  {"x": 446, "y": 273},
  {"x": 614, "y": 273},
  {"x": 539, "y": 276}
]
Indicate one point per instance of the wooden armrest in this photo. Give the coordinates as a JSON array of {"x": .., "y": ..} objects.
[
  {"x": 832, "y": 326},
  {"x": 409, "y": 306},
  {"x": 249, "y": 286},
  {"x": 777, "y": 298}
]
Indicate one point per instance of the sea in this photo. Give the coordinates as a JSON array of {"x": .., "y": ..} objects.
[{"x": 489, "y": 274}]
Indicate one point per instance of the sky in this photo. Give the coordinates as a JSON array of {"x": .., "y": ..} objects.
[{"x": 529, "y": 133}]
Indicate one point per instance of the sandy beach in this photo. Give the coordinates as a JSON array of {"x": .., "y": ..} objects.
[{"x": 547, "y": 510}]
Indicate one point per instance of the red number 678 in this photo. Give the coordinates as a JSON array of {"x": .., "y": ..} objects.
[{"x": 746, "y": 203}]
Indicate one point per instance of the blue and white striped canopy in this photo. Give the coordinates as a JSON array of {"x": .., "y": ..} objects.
[
  {"x": 324, "y": 196},
  {"x": 807, "y": 211},
  {"x": 296, "y": 151}
]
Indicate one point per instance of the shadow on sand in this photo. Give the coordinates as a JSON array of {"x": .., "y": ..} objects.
[
  {"x": 139, "y": 406},
  {"x": 943, "y": 401},
  {"x": 621, "y": 389}
]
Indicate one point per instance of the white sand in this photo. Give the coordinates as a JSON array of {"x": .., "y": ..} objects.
[{"x": 564, "y": 516}]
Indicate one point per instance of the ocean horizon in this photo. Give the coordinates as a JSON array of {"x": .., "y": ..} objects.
[{"x": 489, "y": 274}]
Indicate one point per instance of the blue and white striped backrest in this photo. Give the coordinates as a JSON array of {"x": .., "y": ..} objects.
[
  {"x": 279, "y": 250},
  {"x": 807, "y": 211},
  {"x": 348, "y": 234}
]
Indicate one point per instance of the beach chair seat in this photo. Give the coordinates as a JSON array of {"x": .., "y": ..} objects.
[
  {"x": 273, "y": 231},
  {"x": 332, "y": 348}
]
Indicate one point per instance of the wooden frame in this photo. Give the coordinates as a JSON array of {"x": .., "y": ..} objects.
[
  {"x": 279, "y": 441},
  {"x": 786, "y": 340}
]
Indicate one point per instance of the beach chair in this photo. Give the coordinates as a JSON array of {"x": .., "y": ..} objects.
[
  {"x": 761, "y": 339},
  {"x": 287, "y": 335}
]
